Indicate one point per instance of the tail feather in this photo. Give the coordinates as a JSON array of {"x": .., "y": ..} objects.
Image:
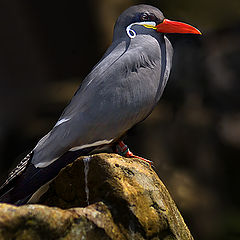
[
  {"x": 13, "y": 176},
  {"x": 27, "y": 179}
]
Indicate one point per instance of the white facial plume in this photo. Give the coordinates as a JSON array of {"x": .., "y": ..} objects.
[{"x": 132, "y": 34}]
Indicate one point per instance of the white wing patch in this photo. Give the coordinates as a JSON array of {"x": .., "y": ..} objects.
[
  {"x": 45, "y": 164},
  {"x": 61, "y": 121},
  {"x": 98, "y": 143}
]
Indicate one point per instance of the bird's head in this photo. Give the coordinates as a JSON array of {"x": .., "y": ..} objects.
[{"x": 139, "y": 18}]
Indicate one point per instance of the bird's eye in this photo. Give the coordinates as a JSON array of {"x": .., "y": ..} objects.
[
  {"x": 148, "y": 17},
  {"x": 145, "y": 17}
]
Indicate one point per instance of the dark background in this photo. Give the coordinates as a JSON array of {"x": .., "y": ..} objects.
[{"x": 193, "y": 136}]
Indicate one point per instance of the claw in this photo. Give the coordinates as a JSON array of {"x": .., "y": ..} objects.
[{"x": 123, "y": 150}]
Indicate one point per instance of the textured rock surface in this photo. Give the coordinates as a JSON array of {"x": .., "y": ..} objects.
[{"x": 127, "y": 201}]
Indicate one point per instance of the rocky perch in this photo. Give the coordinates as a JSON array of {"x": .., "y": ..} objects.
[{"x": 126, "y": 200}]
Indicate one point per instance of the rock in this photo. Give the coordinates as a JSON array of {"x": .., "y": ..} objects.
[{"x": 127, "y": 200}]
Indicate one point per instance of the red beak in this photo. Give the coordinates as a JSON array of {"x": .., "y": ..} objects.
[{"x": 168, "y": 26}]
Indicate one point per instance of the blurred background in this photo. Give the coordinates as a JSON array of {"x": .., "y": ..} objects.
[{"x": 193, "y": 136}]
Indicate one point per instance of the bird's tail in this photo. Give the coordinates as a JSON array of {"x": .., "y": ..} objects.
[
  {"x": 8, "y": 186},
  {"x": 26, "y": 179}
]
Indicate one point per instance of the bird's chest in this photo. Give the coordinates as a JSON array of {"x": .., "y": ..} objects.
[
  {"x": 133, "y": 84},
  {"x": 141, "y": 80},
  {"x": 134, "y": 94}
]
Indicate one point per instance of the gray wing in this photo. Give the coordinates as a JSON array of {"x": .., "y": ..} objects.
[{"x": 119, "y": 92}]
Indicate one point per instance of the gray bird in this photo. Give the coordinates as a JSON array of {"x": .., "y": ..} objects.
[{"x": 120, "y": 91}]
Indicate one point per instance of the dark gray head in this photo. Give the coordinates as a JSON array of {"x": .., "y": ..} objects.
[
  {"x": 137, "y": 14},
  {"x": 149, "y": 17}
]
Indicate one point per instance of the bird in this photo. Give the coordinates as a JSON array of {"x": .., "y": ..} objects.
[{"x": 121, "y": 91}]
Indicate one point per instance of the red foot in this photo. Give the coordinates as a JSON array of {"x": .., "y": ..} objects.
[{"x": 123, "y": 150}]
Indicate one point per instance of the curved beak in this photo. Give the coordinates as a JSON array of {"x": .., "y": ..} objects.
[{"x": 168, "y": 26}]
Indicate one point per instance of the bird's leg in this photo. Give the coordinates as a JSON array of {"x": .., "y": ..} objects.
[{"x": 123, "y": 150}]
